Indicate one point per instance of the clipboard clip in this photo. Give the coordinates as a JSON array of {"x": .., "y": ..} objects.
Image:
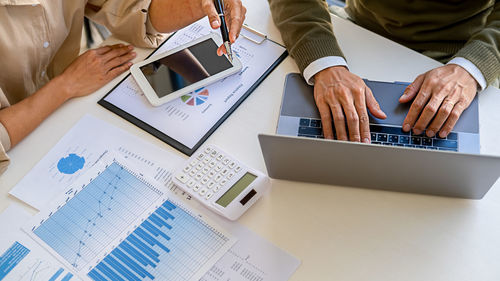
[{"x": 253, "y": 35}]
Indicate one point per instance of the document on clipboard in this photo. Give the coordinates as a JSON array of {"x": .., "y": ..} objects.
[{"x": 185, "y": 123}]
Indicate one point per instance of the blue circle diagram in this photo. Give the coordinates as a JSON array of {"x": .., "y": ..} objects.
[{"x": 70, "y": 164}]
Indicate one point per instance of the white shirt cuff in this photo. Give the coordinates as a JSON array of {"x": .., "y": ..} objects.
[
  {"x": 321, "y": 64},
  {"x": 472, "y": 69}
]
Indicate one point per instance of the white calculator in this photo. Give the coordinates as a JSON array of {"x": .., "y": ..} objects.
[{"x": 220, "y": 182}]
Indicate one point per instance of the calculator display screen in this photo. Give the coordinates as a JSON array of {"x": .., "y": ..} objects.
[{"x": 236, "y": 189}]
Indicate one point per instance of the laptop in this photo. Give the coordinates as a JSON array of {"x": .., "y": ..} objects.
[{"x": 395, "y": 160}]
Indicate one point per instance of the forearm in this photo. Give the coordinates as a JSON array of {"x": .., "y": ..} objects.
[
  {"x": 483, "y": 48},
  {"x": 22, "y": 118},
  {"x": 306, "y": 28},
  {"x": 171, "y": 15}
]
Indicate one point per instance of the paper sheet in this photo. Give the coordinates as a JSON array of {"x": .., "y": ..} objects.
[
  {"x": 251, "y": 256},
  {"x": 187, "y": 120},
  {"x": 38, "y": 264},
  {"x": 79, "y": 149},
  {"x": 92, "y": 226}
]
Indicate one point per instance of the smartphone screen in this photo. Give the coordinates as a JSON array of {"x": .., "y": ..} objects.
[{"x": 185, "y": 67}]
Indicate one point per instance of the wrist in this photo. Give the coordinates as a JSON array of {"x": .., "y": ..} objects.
[
  {"x": 466, "y": 76},
  {"x": 62, "y": 87},
  {"x": 336, "y": 70}
]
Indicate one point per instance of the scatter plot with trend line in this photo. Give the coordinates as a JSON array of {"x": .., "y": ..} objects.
[{"x": 88, "y": 222}]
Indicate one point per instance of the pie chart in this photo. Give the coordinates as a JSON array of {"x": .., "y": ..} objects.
[{"x": 195, "y": 98}]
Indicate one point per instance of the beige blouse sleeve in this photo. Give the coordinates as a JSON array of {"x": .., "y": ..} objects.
[
  {"x": 126, "y": 19},
  {"x": 4, "y": 138}
]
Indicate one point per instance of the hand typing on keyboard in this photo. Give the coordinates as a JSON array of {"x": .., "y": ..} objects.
[
  {"x": 344, "y": 96},
  {"x": 387, "y": 135},
  {"x": 443, "y": 94}
]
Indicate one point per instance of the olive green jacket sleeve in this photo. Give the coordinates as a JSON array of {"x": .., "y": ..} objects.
[
  {"x": 306, "y": 28},
  {"x": 482, "y": 49}
]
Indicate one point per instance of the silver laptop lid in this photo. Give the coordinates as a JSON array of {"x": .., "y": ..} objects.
[{"x": 379, "y": 167}]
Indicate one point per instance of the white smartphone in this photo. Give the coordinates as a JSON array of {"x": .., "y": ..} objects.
[{"x": 182, "y": 70}]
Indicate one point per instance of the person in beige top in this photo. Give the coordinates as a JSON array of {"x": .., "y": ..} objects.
[{"x": 40, "y": 44}]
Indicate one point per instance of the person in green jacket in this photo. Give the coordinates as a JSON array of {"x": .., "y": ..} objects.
[{"x": 463, "y": 34}]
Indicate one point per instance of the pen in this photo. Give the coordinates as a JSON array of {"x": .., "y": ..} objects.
[{"x": 219, "y": 6}]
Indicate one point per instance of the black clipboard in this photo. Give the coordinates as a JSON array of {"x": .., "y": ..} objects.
[{"x": 171, "y": 141}]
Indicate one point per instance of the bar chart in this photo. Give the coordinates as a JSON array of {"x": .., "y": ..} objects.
[
  {"x": 169, "y": 243},
  {"x": 58, "y": 273}
]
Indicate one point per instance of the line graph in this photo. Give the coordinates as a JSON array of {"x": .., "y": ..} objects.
[
  {"x": 94, "y": 217},
  {"x": 37, "y": 268}
]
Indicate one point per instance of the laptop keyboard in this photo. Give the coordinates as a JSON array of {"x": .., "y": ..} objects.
[{"x": 387, "y": 135}]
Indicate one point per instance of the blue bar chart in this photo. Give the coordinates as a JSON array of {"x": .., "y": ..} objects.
[
  {"x": 93, "y": 218},
  {"x": 56, "y": 275},
  {"x": 169, "y": 243},
  {"x": 11, "y": 258}
]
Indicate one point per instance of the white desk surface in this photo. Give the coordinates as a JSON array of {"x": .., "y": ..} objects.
[{"x": 338, "y": 233}]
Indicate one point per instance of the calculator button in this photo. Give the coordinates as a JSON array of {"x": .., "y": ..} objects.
[
  {"x": 203, "y": 191},
  {"x": 218, "y": 167},
  {"x": 200, "y": 156},
  {"x": 191, "y": 183},
  {"x": 216, "y": 188},
  {"x": 232, "y": 165},
  {"x": 220, "y": 157},
  {"x": 206, "y": 160},
  {"x": 194, "y": 162},
  {"x": 226, "y": 161},
  {"x": 218, "y": 178},
  {"x": 199, "y": 166},
  {"x": 204, "y": 180},
  {"x": 208, "y": 150},
  {"x": 230, "y": 175},
  {"x": 237, "y": 169},
  {"x": 196, "y": 187},
  {"x": 205, "y": 170},
  {"x": 214, "y": 153},
  {"x": 182, "y": 177},
  {"x": 210, "y": 184},
  {"x": 224, "y": 172},
  {"x": 212, "y": 164},
  {"x": 192, "y": 173},
  {"x": 186, "y": 169},
  {"x": 223, "y": 182},
  {"x": 209, "y": 195},
  {"x": 198, "y": 177},
  {"x": 211, "y": 174}
]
